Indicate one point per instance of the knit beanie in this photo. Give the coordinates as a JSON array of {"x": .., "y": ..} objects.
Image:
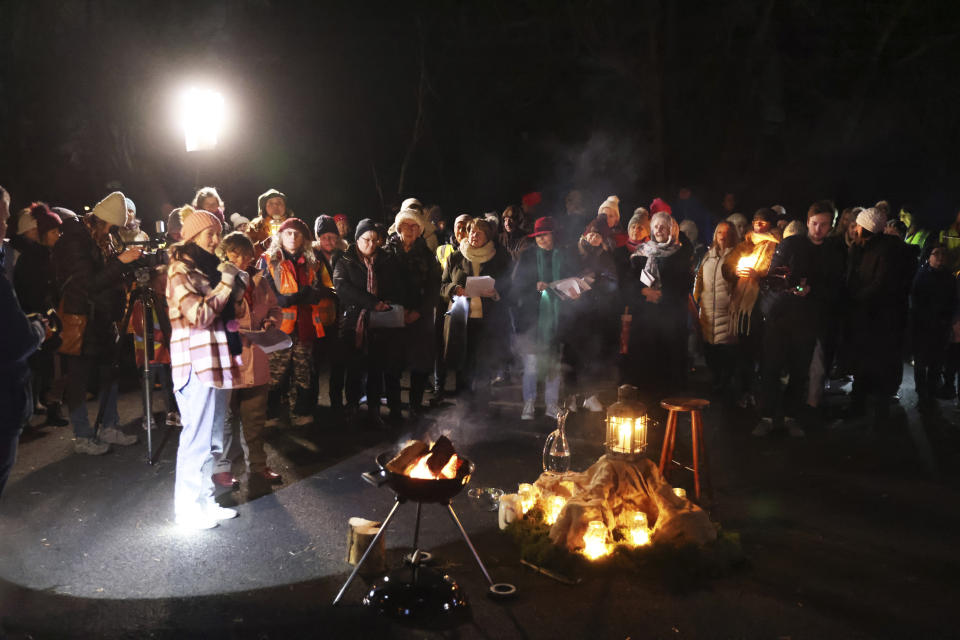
[
  {"x": 612, "y": 202},
  {"x": 174, "y": 222},
  {"x": 63, "y": 213},
  {"x": 659, "y": 205},
  {"x": 46, "y": 219},
  {"x": 871, "y": 220},
  {"x": 298, "y": 224},
  {"x": 409, "y": 215},
  {"x": 25, "y": 222},
  {"x": 363, "y": 226},
  {"x": 689, "y": 228},
  {"x": 195, "y": 221},
  {"x": 325, "y": 224},
  {"x": 131, "y": 207},
  {"x": 236, "y": 220},
  {"x": 112, "y": 209},
  {"x": 411, "y": 203},
  {"x": 266, "y": 195},
  {"x": 532, "y": 199}
]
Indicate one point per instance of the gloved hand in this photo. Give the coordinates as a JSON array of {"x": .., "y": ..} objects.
[
  {"x": 240, "y": 284},
  {"x": 229, "y": 271}
]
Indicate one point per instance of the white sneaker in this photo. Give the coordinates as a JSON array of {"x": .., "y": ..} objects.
[
  {"x": 196, "y": 520},
  {"x": 173, "y": 419},
  {"x": 90, "y": 447},
  {"x": 764, "y": 427},
  {"x": 143, "y": 423},
  {"x": 113, "y": 435},
  {"x": 527, "y": 411},
  {"x": 552, "y": 411},
  {"x": 217, "y": 512},
  {"x": 301, "y": 421}
]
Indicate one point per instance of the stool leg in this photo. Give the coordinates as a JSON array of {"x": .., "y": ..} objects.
[
  {"x": 667, "y": 452},
  {"x": 697, "y": 437}
]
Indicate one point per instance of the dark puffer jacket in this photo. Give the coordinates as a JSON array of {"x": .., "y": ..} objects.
[
  {"x": 34, "y": 279},
  {"x": 91, "y": 284},
  {"x": 350, "y": 281},
  {"x": 422, "y": 273}
]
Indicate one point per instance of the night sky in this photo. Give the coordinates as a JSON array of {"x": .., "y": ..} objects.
[{"x": 783, "y": 101}]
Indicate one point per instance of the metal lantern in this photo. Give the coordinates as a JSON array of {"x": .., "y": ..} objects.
[{"x": 627, "y": 424}]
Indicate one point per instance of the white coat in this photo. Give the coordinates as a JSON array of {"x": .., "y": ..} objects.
[{"x": 712, "y": 292}]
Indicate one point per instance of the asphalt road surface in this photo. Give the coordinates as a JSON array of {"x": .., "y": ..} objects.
[{"x": 850, "y": 532}]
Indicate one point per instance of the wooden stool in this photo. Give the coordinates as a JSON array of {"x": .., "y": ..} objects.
[{"x": 676, "y": 406}]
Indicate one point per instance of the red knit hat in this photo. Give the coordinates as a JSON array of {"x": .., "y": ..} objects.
[
  {"x": 531, "y": 199},
  {"x": 659, "y": 205},
  {"x": 542, "y": 226},
  {"x": 46, "y": 219},
  {"x": 299, "y": 225}
]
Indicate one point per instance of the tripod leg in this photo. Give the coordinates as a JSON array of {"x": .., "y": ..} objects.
[
  {"x": 363, "y": 558},
  {"x": 466, "y": 538},
  {"x": 416, "y": 529}
]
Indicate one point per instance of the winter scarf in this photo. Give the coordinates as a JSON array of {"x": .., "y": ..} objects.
[
  {"x": 477, "y": 256},
  {"x": 372, "y": 289},
  {"x": 548, "y": 316},
  {"x": 653, "y": 250},
  {"x": 207, "y": 263},
  {"x": 747, "y": 291}
]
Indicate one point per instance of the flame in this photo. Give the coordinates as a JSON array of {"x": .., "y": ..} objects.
[
  {"x": 595, "y": 540},
  {"x": 420, "y": 469},
  {"x": 747, "y": 262},
  {"x": 553, "y": 508},
  {"x": 529, "y": 494}
]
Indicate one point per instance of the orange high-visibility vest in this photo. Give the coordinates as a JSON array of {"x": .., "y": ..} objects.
[{"x": 287, "y": 285}]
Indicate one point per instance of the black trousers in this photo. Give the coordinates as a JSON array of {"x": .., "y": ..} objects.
[
  {"x": 787, "y": 347},
  {"x": 380, "y": 362}
]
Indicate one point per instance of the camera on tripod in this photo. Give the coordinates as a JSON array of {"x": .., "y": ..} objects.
[{"x": 154, "y": 254}]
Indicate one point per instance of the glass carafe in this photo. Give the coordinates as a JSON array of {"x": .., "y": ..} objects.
[{"x": 556, "y": 451}]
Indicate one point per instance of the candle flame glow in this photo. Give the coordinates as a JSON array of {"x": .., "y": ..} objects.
[
  {"x": 595, "y": 540},
  {"x": 553, "y": 509}
]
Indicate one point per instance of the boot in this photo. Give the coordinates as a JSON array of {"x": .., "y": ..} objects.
[
  {"x": 54, "y": 416},
  {"x": 418, "y": 385}
]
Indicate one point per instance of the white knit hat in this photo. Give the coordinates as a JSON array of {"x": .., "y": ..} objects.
[
  {"x": 112, "y": 209},
  {"x": 409, "y": 215},
  {"x": 612, "y": 202},
  {"x": 411, "y": 203},
  {"x": 871, "y": 220},
  {"x": 236, "y": 220},
  {"x": 25, "y": 222}
]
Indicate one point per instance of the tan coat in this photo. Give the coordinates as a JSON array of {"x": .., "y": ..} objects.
[{"x": 255, "y": 367}]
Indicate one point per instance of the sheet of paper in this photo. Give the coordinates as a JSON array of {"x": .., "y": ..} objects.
[
  {"x": 571, "y": 288},
  {"x": 392, "y": 318},
  {"x": 269, "y": 340},
  {"x": 481, "y": 286}
]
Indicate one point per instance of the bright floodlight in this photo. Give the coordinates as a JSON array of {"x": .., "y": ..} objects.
[{"x": 201, "y": 113}]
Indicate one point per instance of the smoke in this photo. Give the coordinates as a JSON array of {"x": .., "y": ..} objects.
[
  {"x": 605, "y": 164},
  {"x": 464, "y": 425}
]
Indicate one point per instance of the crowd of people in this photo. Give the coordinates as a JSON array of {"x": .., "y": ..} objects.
[{"x": 777, "y": 305}]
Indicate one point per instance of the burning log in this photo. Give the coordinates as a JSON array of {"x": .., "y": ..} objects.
[
  {"x": 408, "y": 456},
  {"x": 359, "y": 536},
  {"x": 440, "y": 455}
]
